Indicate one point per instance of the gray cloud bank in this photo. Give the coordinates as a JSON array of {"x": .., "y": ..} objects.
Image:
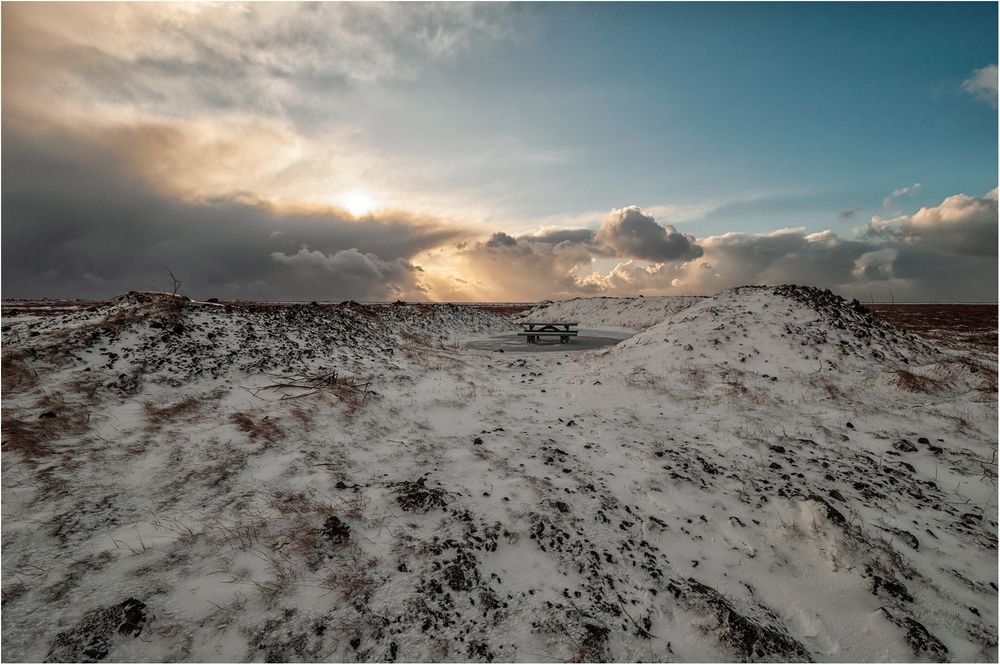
[{"x": 75, "y": 224}]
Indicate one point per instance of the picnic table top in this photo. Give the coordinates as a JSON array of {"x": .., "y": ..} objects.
[{"x": 549, "y": 323}]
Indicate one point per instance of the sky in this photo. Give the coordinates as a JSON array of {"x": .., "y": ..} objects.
[{"x": 509, "y": 152}]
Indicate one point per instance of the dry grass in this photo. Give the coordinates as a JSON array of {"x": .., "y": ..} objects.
[
  {"x": 85, "y": 386},
  {"x": 242, "y": 534},
  {"x": 264, "y": 429},
  {"x": 352, "y": 576},
  {"x": 303, "y": 416},
  {"x": 364, "y": 310},
  {"x": 285, "y": 577},
  {"x": 159, "y": 416},
  {"x": 18, "y": 376},
  {"x": 917, "y": 383},
  {"x": 297, "y": 503},
  {"x": 32, "y": 435},
  {"x": 222, "y": 463},
  {"x": 964, "y": 366},
  {"x": 351, "y": 390}
]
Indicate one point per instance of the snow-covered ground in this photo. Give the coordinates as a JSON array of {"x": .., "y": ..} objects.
[
  {"x": 611, "y": 313},
  {"x": 769, "y": 474}
]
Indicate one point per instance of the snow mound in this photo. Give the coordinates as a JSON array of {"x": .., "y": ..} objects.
[
  {"x": 630, "y": 313},
  {"x": 775, "y": 330}
]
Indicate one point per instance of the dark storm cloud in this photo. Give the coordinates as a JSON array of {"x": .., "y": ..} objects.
[{"x": 75, "y": 224}]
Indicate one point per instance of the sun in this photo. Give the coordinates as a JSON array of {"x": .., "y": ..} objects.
[{"x": 357, "y": 202}]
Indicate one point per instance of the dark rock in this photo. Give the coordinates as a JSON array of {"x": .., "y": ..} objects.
[
  {"x": 893, "y": 587},
  {"x": 751, "y": 639},
  {"x": 477, "y": 441},
  {"x": 917, "y": 636},
  {"x": 476, "y": 649},
  {"x": 335, "y": 531},
  {"x": 414, "y": 496},
  {"x": 832, "y": 513},
  {"x": 906, "y": 537},
  {"x": 461, "y": 573},
  {"x": 594, "y": 643},
  {"x": 924, "y": 440},
  {"x": 835, "y": 494},
  {"x": 91, "y": 638},
  {"x": 850, "y": 425},
  {"x": 904, "y": 446}
]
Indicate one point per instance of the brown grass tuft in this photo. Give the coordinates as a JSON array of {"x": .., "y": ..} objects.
[
  {"x": 352, "y": 576},
  {"x": 296, "y": 503},
  {"x": 264, "y": 428},
  {"x": 159, "y": 416},
  {"x": 917, "y": 383},
  {"x": 17, "y": 375},
  {"x": 32, "y": 435}
]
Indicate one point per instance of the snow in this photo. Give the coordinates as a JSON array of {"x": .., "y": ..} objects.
[
  {"x": 611, "y": 313},
  {"x": 753, "y": 476}
]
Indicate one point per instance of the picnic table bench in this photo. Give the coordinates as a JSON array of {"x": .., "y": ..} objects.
[{"x": 562, "y": 329}]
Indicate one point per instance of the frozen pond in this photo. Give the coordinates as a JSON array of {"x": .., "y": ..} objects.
[{"x": 588, "y": 339}]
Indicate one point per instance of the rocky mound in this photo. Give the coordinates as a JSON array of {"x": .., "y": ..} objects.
[{"x": 171, "y": 339}]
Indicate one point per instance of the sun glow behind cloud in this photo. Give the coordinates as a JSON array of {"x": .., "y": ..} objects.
[{"x": 356, "y": 201}]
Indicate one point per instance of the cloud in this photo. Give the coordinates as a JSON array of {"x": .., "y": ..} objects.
[
  {"x": 79, "y": 222},
  {"x": 249, "y": 101},
  {"x": 983, "y": 85},
  {"x": 945, "y": 253},
  {"x": 501, "y": 239},
  {"x": 557, "y": 235},
  {"x": 902, "y": 191},
  {"x": 363, "y": 275},
  {"x": 228, "y": 55},
  {"x": 678, "y": 214},
  {"x": 964, "y": 225},
  {"x": 630, "y": 232}
]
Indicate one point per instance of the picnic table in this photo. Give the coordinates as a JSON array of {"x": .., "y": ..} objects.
[{"x": 532, "y": 330}]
